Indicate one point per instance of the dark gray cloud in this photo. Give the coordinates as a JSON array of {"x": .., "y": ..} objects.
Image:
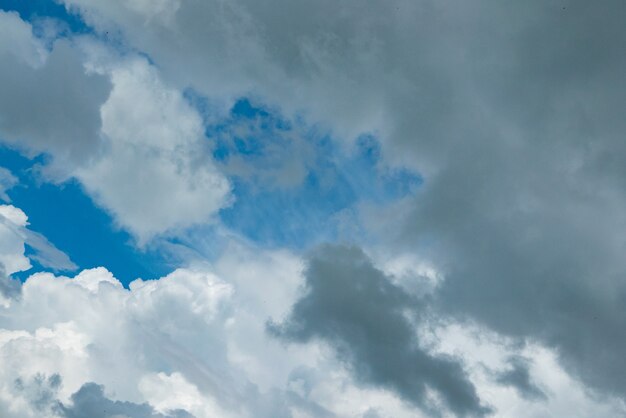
[
  {"x": 90, "y": 402},
  {"x": 518, "y": 376},
  {"x": 355, "y": 308},
  {"x": 521, "y": 136},
  {"x": 40, "y": 391}
]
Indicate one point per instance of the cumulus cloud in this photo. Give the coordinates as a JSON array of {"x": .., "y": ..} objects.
[
  {"x": 513, "y": 115},
  {"x": 153, "y": 145},
  {"x": 189, "y": 341},
  {"x": 113, "y": 125},
  {"x": 195, "y": 343}
]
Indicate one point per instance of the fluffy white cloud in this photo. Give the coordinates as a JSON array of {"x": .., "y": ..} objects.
[
  {"x": 12, "y": 239},
  {"x": 14, "y": 234},
  {"x": 154, "y": 172},
  {"x": 195, "y": 343},
  {"x": 187, "y": 341},
  {"x": 134, "y": 143}
]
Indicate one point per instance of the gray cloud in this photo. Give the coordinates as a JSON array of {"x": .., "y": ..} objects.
[
  {"x": 9, "y": 287},
  {"x": 40, "y": 391},
  {"x": 52, "y": 106},
  {"x": 513, "y": 112},
  {"x": 90, "y": 402},
  {"x": 518, "y": 376},
  {"x": 355, "y": 308}
]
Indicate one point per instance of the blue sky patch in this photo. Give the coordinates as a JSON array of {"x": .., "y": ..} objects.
[
  {"x": 69, "y": 216},
  {"x": 34, "y": 10},
  {"x": 304, "y": 212}
]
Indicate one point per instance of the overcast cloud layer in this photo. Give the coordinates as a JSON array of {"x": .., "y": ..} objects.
[{"x": 380, "y": 209}]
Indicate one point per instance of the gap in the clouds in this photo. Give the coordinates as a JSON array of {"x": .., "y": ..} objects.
[
  {"x": 69, "y": 220},
  {"x": 35, "y": 10},
  {"x": 51, "y": 20},
  {"x": 293, "y": 184}
]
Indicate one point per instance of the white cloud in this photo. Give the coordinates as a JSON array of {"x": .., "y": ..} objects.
[
  {"x": 134, "y": 143},
  {"x": 12, "y": 240},
  {"x": 14, "y": 235},
  {"x": 154, "y": 173},
  {"x": 517, "y": 128},
  {"x": 195, "y": 340},
  {"x": 486, "y": 353}
]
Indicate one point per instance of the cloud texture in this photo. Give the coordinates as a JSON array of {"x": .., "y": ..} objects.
[{"x": 493, "y": 286}]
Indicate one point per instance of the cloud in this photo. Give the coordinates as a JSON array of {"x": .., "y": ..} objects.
[
  {"x": 47, "y": 254},
  {"x": 518, "y": 376},
  {"x": 156, "y": 172},
  {"x": 512, "y": 114},
  {"x": 356, "y": 309},
  {"x": 15, "y": 234},
  {"x": 12, "y": 240},
  {"x": 90, "y": 401},
  {"x": 196, "y": 341},
  {"x": 7, "y": 181},
  {"x": 113, "y": 125},
  {"x": 49, "y": 102},
  {"x": 188, "y": 341}
]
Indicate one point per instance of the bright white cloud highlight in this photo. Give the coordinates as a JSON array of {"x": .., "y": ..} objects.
[{"x": 154, "y": 172}]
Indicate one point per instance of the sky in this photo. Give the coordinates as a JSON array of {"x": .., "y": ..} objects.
[{"x": 303, "y": 209}]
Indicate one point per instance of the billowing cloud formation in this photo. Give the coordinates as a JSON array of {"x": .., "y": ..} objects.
[
  {"x": 195, "y": 342},
  {"x": 356, "y": 309},
  {"x": 153, "y": 143},
  {"x": 112, "y": 124},
  {"x": 513, "y": 116}
]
